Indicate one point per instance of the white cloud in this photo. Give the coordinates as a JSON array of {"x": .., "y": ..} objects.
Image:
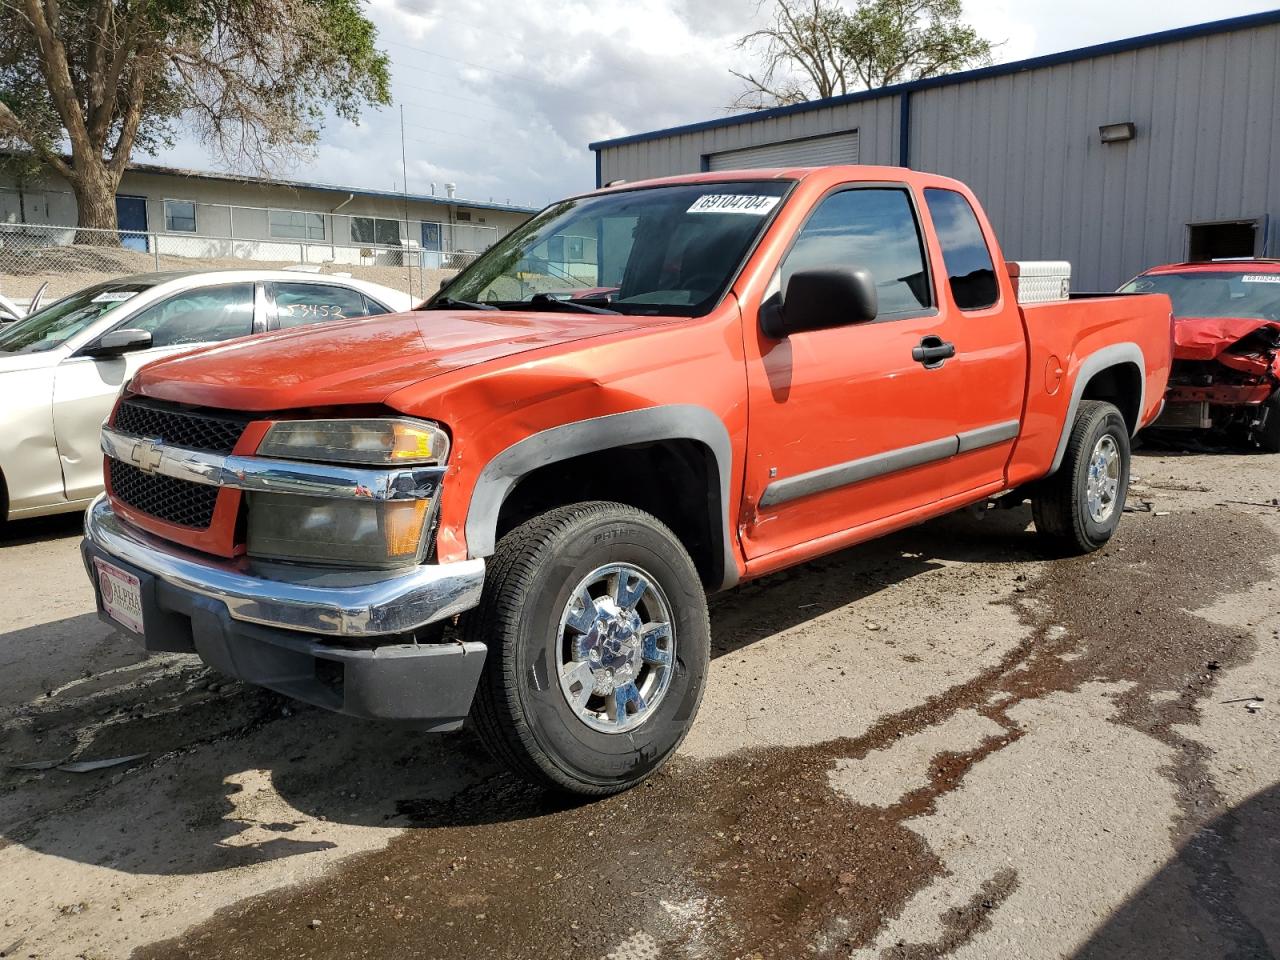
[{"x": 502, "y": 97}]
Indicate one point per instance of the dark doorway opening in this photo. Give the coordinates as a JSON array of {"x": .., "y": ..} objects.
[
  {"x": 131, "y": 215},
  {"x": 1224, "y": 240}
]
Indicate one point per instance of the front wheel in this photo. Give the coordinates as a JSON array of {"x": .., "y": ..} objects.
[
  {"x": 1078, "y": 508},
  {"x": 598, "y": 645}
]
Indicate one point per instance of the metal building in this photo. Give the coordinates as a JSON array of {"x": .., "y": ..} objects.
[{"x": 1116, "y": 157}]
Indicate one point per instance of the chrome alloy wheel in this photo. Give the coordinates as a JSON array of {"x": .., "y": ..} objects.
[
  {"x": 1104, "y": 479},
  {"x": 616, "y": 647}
]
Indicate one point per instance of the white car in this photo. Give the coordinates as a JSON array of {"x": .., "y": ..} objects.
[{"x": 62, "y": 367}]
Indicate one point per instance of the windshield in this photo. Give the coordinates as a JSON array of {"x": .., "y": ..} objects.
[
  {"x": 58, "y": 322},
  {"x": 1241, "y": 295},
  {"x": 660, "y": 250}
]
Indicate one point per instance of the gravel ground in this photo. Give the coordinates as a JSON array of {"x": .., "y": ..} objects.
[{"x": 940, "y": 744}]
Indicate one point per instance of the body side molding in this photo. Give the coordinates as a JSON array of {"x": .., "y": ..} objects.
[
  {"x": 647, "y": 425},
  {"x": 891, "y": 461}
]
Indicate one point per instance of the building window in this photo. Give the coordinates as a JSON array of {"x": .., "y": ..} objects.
[
  {"x": 296, "y": 225},
  {"x": 180, "y": 216},
  {"x": 376, "y": 231},
  {"x": 964, "y": 249}
]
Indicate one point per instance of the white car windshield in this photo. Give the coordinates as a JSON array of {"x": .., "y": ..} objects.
[{"x": 55, "y": 324}]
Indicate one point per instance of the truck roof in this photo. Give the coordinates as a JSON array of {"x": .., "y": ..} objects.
[{"x": 864, "y": 172}]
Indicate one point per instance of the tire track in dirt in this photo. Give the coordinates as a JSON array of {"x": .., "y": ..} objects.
[{"x": 755, "y": 853}]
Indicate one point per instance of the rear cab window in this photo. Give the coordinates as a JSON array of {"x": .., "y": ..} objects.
[{"x": 965, "y": 254}]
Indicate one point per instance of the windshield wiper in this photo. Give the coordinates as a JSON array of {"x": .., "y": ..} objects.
[
  {"x": 448, "y": 303},
  {"x": 545, "y": 301}
]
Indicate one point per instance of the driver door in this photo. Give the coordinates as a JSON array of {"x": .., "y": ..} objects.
[
  {"x": 847, "y": 426},
  {"x": 85, "y": 388}
]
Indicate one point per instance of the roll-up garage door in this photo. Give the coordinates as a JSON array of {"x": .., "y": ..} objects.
[{"x": 809, "y": 152}]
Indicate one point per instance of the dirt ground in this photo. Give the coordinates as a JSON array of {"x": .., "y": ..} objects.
[{"x": 940, "y": 744}]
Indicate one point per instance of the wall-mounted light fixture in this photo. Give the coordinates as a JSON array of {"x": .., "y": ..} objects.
[{"x": 1117, "y": 132}]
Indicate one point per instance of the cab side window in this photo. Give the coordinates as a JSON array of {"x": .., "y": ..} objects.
[
  {"x": 208, "y": 315},
  {"x": 874, "y": 228},
  {"x": 964, "y": 249},
  {"x": 299, "y": 304}
]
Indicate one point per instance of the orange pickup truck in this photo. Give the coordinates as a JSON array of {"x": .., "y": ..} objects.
[{"x": 644, "y": 394}]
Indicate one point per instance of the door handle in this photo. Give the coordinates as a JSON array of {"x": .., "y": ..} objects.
[{"x": 933, "y": 352}]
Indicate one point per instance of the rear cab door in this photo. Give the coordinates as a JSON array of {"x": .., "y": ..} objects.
[
  {"x": 849, "y": 426},
  {"x": 985, "y": 323}
]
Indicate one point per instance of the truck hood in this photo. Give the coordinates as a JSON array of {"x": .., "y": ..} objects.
[{"x": 361, "y": 361}]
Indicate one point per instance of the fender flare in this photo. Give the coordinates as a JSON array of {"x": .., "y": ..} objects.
[
  {"x": 1116, "y": 355},
  {"x": 666, "y": 422}
]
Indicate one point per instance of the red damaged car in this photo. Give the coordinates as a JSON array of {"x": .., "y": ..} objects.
[{"x": 1226, "y": 347}]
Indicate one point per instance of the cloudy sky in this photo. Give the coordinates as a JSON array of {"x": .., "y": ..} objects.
[{"x": 502, "y": 97}]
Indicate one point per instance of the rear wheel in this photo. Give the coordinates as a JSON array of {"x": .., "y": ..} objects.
[
  {"x": 1079, "y": 507},
  {"x": 598, "y": 646},
  {"x": 1268, "y": 435}
]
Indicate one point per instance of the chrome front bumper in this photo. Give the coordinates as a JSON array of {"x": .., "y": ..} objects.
[{"x": 328, "y": 603}]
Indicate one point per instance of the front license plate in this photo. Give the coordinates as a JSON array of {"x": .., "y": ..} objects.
[{"x": 121, "y": 595}]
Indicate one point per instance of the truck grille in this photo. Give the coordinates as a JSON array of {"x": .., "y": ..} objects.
[
  {"x": 215, "y": 432},
  {"x": 173, "y": 501}
]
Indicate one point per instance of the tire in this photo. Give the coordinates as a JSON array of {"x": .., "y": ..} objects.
[
  {"x": 527, "y": 615},
  {"x": 1061, "y": 503},
  {"x": 1268, "y": 436}
]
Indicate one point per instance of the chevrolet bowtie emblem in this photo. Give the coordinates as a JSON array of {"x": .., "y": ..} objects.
[{"x": 146, "y": 455}]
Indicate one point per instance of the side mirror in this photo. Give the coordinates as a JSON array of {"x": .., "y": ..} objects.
[
  {"x": 117, "y": 342},
  {"x": 818, "y": 299}
]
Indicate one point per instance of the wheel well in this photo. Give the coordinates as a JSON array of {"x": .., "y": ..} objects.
[
  {"x": 675, "y": 480},
  {"x": 1121, "y": 386}
]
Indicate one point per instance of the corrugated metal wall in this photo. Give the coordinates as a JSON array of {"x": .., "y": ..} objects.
[
  {"x": 875, "y": 120},
  {"x": 1207, "y": 111}
]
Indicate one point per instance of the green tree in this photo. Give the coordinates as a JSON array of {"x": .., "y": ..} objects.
[
  {"x": 820, "y": 48},
  {"x": 86, "y": 83}
]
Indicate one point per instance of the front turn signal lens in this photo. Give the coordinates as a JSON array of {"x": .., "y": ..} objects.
[{"x": 403, "y": 525}]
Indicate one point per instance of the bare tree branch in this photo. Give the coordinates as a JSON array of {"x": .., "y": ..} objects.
[{"x": 815, "y": 49}]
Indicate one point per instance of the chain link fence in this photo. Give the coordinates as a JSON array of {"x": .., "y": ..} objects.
[{"x": 69, "y": 258}]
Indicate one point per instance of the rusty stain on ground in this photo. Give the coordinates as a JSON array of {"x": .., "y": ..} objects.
[{"x": 755, "y": 853}]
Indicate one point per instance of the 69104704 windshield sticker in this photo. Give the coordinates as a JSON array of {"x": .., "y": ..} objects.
[
  {"x": 748, "y": 203},
  {"x": 1260, "y": 278}
]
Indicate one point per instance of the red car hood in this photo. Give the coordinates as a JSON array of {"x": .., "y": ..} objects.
[
  {"x": 1204, "y": 338},
  {"x": 360, "y": 361}
]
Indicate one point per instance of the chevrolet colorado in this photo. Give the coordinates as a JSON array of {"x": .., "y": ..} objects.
[{"x": 644, "y": 394}]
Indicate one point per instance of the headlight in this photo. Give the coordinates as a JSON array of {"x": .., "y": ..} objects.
[
  {"x": 358, "y": 533},
  {"x": 386, "y": 441}
]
